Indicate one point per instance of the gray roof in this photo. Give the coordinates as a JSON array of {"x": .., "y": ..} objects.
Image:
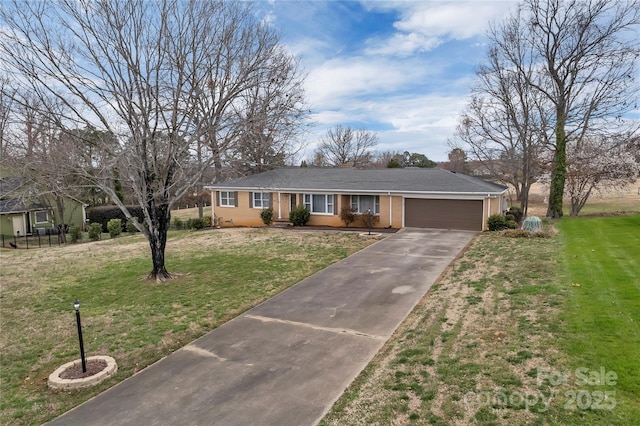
[
  {"x": 11, "y": 196},
  {"x": 352, "y": 180}
]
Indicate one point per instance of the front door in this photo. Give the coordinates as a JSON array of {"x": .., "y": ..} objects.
[{"x": 18, "y": 225}]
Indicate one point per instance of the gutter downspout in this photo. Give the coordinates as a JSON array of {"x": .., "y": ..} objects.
[
  {"x": 390, "y": 211},
  {"x": 213, "y": 208}
]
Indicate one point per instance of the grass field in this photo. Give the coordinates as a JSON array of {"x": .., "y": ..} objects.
[
  {"x": 518, "y": 331},
  {"x": 220, "y": 273}
]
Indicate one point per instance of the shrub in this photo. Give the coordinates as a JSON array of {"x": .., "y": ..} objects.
[
  {"x": 75, "y": 234},
  {"x": 348, "y": 215},
  {"x": 299, "y": 216},
  {"x": 267, "y": 216},
  {"x": 188, "y": 224},
  {"x": 362, "y": 220},
  {"x": 511, "y": 224},
  {"x": 497, "y": 222},
  {"x": 95, "y": 231},
  {"x": 197, "y": 223},
  {"x": 178, "y": 223},
  {"x": 103, "y": 214},
  {"x": 131, "y": 227},
  {"x": 207, "y": 221},
  {"x": 114, "y": 226},
  {"x": 516, "y": 213}
]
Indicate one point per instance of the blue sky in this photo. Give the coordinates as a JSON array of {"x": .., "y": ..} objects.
[{"x": 401, "y": 68}]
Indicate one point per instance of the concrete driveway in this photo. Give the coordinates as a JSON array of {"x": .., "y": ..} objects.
[{"x": 286, "y": 361}]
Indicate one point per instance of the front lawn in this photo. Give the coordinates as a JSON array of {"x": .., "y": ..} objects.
[
  {"x": 602, "y": 315},
  {"x": 518, "y": 331},
  {"x": 220, "y": 273}
]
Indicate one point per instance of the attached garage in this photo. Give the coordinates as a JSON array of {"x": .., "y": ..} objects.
[{"x": 444, "y": 214}]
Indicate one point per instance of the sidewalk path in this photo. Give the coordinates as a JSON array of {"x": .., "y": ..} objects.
[{"x": 286, "y": 361}]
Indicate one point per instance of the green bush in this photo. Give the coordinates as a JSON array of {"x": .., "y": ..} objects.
[
  {"x": 114, "y": 226},
  {"x": 497, "y": 222},
  {"x": 207, "y": 221},
  {"x": 511, "y": 224},
  {"x": 103, "y": 214},
  {"x": 95, "y": 231},
  {"x": 178, "y": 223},
  {"x": 267, "y": 216},
  {"x": 188, "y": 224},
  {"x": 299, "y": 216},
  {"x": 131, "y": 227},
  {"x": 75, "y": 234},
  {"x": 197, "y": 223},
  {"x": 516, "y": 213}
]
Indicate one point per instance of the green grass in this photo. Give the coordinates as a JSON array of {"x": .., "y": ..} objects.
[
  {"x": 219, "y": 275},
  {"x": 602, "y": 315},
  {"x": 504, "y": 312}
]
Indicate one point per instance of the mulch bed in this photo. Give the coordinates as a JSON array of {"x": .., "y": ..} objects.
[
  {"x": 336, "y": 228},
  {"x": 94, "y": 366}
]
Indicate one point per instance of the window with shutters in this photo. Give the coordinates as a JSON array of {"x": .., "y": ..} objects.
[
  {"x": 319, "y": 203},
  {"x": 261, "y": 200},
  {"x": 227, "y": 199}
]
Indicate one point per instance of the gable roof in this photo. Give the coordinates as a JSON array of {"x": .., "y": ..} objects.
[
  {"x": 12, "y": 198},
  {"x": 351, "y": 180}
]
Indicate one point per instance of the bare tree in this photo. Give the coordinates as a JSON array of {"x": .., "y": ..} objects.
[
  {"x": 344, "y": 145},
  {"x": 273, "y": 120},
  {"x": 587, "y": 53},
  {"x": 168, "y": 79},
  {"x": 457, "y": 160},
  {"x": 7, "y": 93},
  {"x": 598, "y": 164},
  {"x": 505, "y": 126}
]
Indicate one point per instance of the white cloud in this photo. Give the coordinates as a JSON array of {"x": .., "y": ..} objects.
[
  {"x": 340, "y": 80},
  {"x": 425, "y": 25},
  {"x": 458, "y": 20},
  {"x": 402, "y": 44}
]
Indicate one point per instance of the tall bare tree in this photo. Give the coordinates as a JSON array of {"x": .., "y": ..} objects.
[
  {"x": 7, "y": 92},
  {"x": 168, "y": 79},
  {"x": 587, "y": 54},
  {"x": 505, "y": 126},
  {"x": 344, "y": 145}
]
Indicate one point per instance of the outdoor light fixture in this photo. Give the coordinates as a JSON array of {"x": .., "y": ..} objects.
[{"x": 76, "y": 306}]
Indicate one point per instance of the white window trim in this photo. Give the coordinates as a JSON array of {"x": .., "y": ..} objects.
[
  {"x": 233, "y": 204},
  {"x": 326, "y": 203},
  {"x": 46, "y": 214},
  {"x": 376, "y": 203},
  {"x": 262, "y": 200}
]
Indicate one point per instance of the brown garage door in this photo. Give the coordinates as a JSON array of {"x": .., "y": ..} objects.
[{"x": 446, "y": 214}]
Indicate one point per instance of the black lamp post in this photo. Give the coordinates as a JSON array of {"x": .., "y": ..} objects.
[
  {"x": 369, "y": 213},
  {"x": 76, "y": 305}
]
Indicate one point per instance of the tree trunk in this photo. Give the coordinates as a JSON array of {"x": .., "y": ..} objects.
[
  {"x": 60, "y": 221},
  {"x": 158, "y": 242},
  {"x": 559, "y": 171}
]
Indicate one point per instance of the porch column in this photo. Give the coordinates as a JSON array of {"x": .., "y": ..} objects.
[{"x": 279, "y": 205}]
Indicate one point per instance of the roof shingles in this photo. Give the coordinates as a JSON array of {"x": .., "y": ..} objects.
[{"x": 362, "y": 180}]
